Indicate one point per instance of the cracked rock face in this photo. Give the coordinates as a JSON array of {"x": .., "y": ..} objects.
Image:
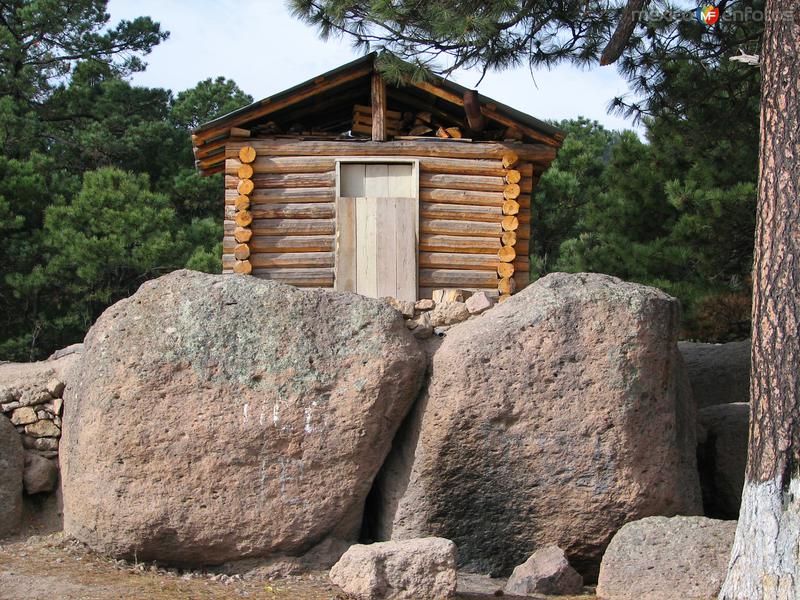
[
  {"x": 214, "y": 418},
  {"x": 554, "y": 418}
]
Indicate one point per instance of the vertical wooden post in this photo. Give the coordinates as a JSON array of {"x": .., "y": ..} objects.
[
  {"x": 378, "y": 108},
  {"x": 472, "y": 108}
]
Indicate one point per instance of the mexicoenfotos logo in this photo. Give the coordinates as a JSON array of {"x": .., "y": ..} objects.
[{"x": 708, "y": 14}]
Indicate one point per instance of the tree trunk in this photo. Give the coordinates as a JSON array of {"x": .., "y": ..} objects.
[{"x": 765, "y": 560}]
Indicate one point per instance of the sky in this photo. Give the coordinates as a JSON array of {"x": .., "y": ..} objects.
[{"x": 265, "y": 50}]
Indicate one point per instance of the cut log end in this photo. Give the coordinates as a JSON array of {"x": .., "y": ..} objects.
[
  {"x": 511, "y": 191},
  {"x": 241, "y": 252},
  {"x": 505, "y": 269},
  {"x": 242, "y": 234},
  {"x": 242, "y": 267},
  {"x": 510, "y": 223},
  {"x": 510, "y": 159},
  {"x": 242, "y": 203},
  {"x": 506, "y": 254},
  {"x": 503, "y": 297},
  {"x": 506, "y": 285},
  {"x": 247, "y": 154},
  {"x": 510, "y": 207},
  {"x": 509, "y": 238},
  {"x": 245, "y": 172},
  {"x": 513, "y": 176},
  {"x": 243, "y": 218},
  {"x": 246, "y": 186}
]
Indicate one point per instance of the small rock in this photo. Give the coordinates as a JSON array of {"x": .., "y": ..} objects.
[
  {"x": 58, "y": 404},
  {"x": 55, "y": 388},
  {"x": 404, "y": 307},
  {"x": 34, "y": 397},
  {"x": 449, "y": 313},
  {"x": 398, "y": 570},
  {"x": 8, "y": 394},
  {"x": 479, "y": 302},
  {"x": 43, "y": 414},
  {"x": 43, "y": 443},
  {"x": 425, "y": 304},
  {"x": 547, "y": 571},
  {"x": 57, "y": 421},
  {"x": 23, "y": 416},
  {"x": 440, "y": 331},
  {"x": 450, "y": 295},
  {"x": 43, "y": 429},
  {"x": 40, "y": 474},
  {"x": 9, "y": 406}
]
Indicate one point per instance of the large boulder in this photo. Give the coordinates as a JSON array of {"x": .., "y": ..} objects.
[
  {"x": 722, "y": 457},
  {"x": 718, "y": 373},
  {"x": 215, "y": 418},
  {"x": 408, "y": 570},
  {"x": 553, "y": 419},
  {"x": 682, "y": 558},
  {"x": 12, "y": 462}
]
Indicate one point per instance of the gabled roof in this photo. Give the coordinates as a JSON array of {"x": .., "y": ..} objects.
[{"x": 327, "y": 101}]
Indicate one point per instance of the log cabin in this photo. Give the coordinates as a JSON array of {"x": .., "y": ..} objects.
[{"x": 349, "y": 182}]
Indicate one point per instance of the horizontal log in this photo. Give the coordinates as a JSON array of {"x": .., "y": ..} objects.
[
  {"x": 325, "y": 243},
  {"x": 285, "y": 196},
  {"x": 276, "y": 243},
  {"x": 293, "y": 259},
  {"x": 478, "y": 183},
  {"x": 284, "y": 164},
  {"x": 283, "y": 227},
  {"x": 450, "y": 278},
  {"x": 316, "y": 210},
  {"x": 288, "y": 180},
  {"x": 467, "y": 228},
  {"x": 427, "y": 164},
  {"x": 465, "y": 197},
  {"x": 522, "y": 279},
  {"x": 298, "y": 277},
  {"x": 535, "y": 153},
  {"x": 452, "y": 243},
  {"x": 444, "y": 260},
  {"x": 464, "y": 212}
]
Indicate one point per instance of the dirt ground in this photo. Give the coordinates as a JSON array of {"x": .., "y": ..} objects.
[{"x": 54, "y": 567}]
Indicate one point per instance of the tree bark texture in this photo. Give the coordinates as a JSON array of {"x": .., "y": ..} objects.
[{"x": 765, "y": 560}]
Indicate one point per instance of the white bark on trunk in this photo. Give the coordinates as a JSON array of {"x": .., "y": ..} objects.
[{"x": 765, "y": 561}]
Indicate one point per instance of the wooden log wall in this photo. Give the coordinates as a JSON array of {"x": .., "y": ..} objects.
[{"x": 474, "y": 210}]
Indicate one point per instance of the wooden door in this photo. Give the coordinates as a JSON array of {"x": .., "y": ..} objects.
[{"x": 376, "y": 230}]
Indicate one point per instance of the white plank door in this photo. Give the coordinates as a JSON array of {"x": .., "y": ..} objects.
[{"x": 376, "y": 233}]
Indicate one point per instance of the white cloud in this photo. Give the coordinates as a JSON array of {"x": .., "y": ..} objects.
[{"x": 265, "y": 50}]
